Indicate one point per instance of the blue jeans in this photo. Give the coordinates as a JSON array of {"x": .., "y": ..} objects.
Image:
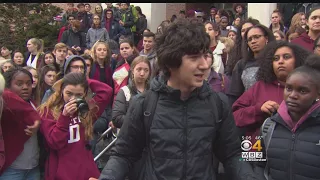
[{"x": 21, "y": 174}]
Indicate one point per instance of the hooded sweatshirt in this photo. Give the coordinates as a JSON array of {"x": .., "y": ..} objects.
[
  {"x": 247, "y": 109},
  {"x": 70, "y": 156},
  {"x": 304, "y": 41},
  {"x": 66, "y": 70},
  {"x": 283, "y": 112},
  {"x": 16, "y": 116}
]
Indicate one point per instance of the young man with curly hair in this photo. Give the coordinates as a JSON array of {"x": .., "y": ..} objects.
[{"x": 189, "y": 125}]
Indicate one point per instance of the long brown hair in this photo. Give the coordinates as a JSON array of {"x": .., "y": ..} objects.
[
  {"x": 55, "y": 102},
  {"x": 42, "y": 85},
  {"x": 93, "y": 25}
]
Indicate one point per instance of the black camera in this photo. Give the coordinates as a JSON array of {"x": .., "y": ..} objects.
[{"x": 82, "y": 106}]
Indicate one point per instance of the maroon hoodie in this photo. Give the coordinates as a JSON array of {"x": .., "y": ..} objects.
[
  {"x": 16, "y": 116},
  {"x": 283, "y": 112},
  {"x": 69, "y": 158},
  {"x": 304, "y": 41},
  {"x": 247, "y": 109}
]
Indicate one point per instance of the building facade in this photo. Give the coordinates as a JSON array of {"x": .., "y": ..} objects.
[{"x": 157, "y": 12}]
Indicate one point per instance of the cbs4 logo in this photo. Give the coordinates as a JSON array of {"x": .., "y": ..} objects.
[{"x": 246, "y": 145}]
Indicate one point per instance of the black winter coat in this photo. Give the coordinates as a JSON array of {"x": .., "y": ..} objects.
[
  {"x": 70, "y": 38},
  {"x": 183, "y": 138},
  {"x": 120, "y": 106},
  {"x": 295, "y": 156},
  {"x": 141, "y": 24},
  {"x": 116, "y": 30}
]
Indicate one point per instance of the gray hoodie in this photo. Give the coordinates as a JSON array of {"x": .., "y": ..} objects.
[
  {"x": 66, "y": 70},
  {"x": 94, "y": 35}
]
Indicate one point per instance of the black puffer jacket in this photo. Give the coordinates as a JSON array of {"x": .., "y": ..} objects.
[
  {"x": 295, "y": 156},
  {"x": 183, "y": 138},
  {"x": 71, "y": 38},
  {"x": 141, "y": 24},
  {"x": 120, "y": 106}
]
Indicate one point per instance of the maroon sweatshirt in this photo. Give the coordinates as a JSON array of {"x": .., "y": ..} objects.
[
  {"x": 69, "y": 159},
  {"x": 284, "y": 113},
  {"x": 247, "y": 109},
  {"x": 304, "y": 41},
  {"x": 16, "y": 116}
]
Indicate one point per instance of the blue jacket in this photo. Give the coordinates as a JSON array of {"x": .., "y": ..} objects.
[{"x": 116, "y": 30}]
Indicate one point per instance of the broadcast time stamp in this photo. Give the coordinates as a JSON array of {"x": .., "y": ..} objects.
[{"x": 251, "y": 152}]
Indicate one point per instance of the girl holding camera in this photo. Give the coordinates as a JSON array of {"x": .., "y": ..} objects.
[{"x": 67, "y": 126}]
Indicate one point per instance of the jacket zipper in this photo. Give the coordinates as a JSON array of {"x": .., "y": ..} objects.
[
  {"x": 186, "y": 142},
  {"x": 291, "y": 156}
]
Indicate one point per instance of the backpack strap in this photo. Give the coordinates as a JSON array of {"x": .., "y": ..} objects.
[
  {"x": 149, "y": 107},
  {"x": 216, "y": 98},
  {"x": 127, "y": 93},
  {"x": 267, "y": 129}
]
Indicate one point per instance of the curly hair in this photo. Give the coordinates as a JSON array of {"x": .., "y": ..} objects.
[
  {"x": 265, "y": 59},
  {"x": 178, "y": 40},
  {"x": 164, "y": 24},
  {"x": 296, "y": 20},
  {"x": 12, "y": 73},
  {"x": 235, "y": 5}
]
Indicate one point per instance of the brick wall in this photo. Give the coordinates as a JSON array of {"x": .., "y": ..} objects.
[
  {"x": 171, "y": 8},
  {"x": 174, "y": 8},
  {"x": 64, "y": 5}
]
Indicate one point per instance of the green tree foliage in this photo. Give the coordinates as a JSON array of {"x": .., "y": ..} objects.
[{"x": 22, "y": 21}]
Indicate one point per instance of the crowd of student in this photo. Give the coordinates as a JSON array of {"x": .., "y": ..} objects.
[{"x": 182, "y": 104}]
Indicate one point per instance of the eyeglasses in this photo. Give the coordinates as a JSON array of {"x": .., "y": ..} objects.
[
  {"x": 254, "y": 37},
  {"x": 77, "y": 67}
]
